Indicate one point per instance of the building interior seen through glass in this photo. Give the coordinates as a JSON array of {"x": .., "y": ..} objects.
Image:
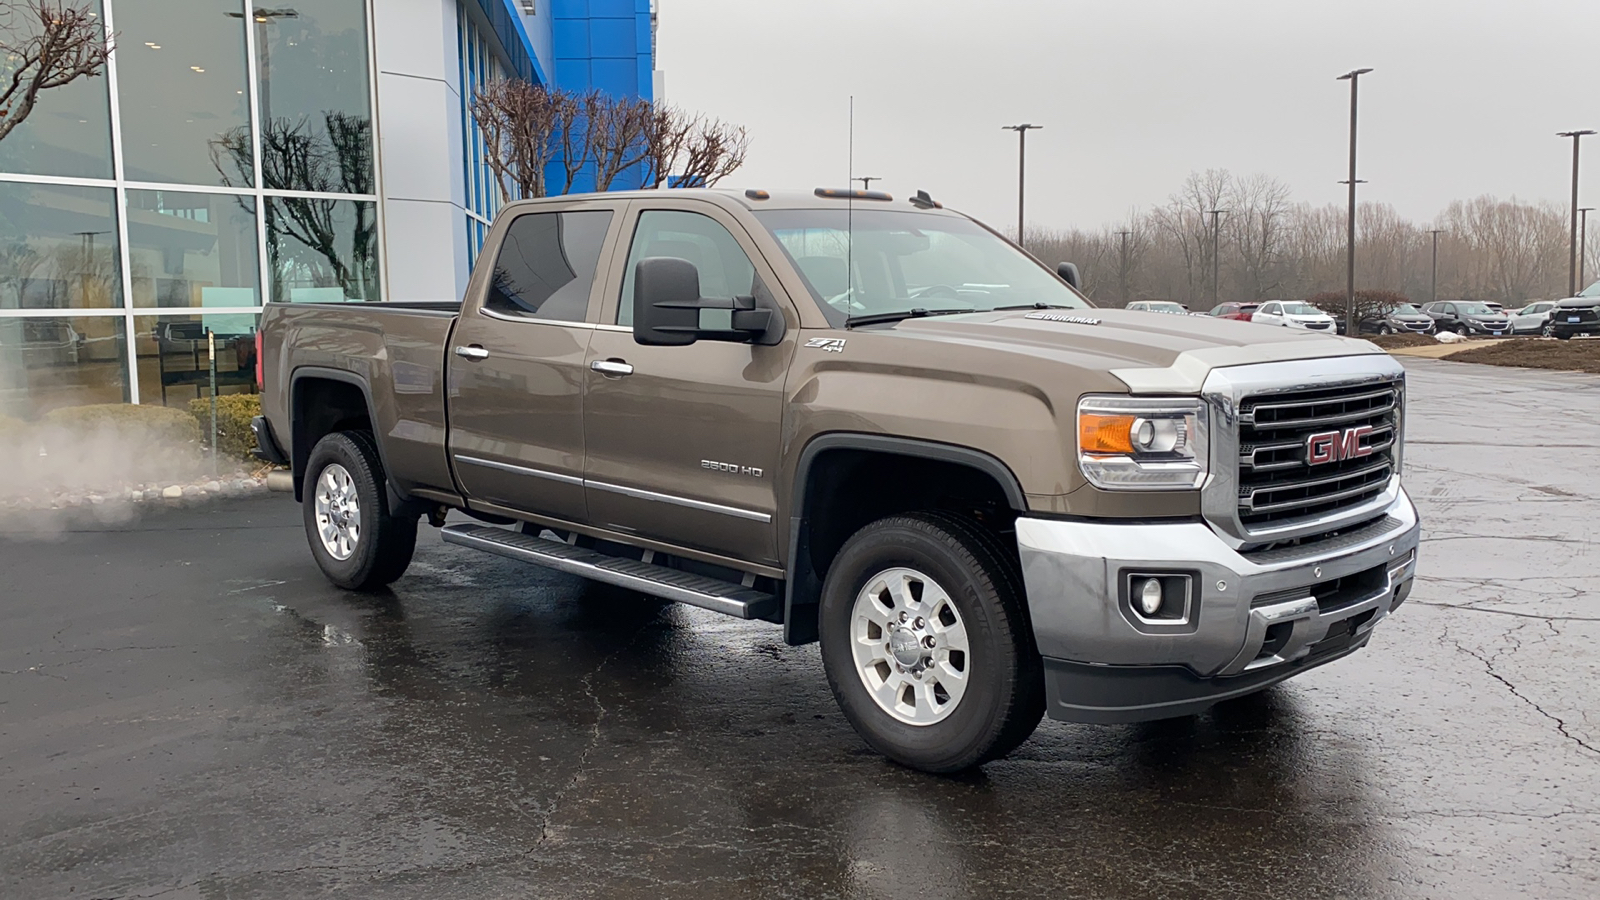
[{"x": 239, "y": 166}]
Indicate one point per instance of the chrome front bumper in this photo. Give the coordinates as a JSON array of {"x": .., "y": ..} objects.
[{"x": 1076, "y": 573}]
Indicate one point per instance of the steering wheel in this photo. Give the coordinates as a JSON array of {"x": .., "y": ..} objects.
[
  {"x": 846, "y": 303},
  {"x": 938, "y": 290}
]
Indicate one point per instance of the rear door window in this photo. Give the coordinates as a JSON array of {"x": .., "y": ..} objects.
[{"x": 546, "y": 266}]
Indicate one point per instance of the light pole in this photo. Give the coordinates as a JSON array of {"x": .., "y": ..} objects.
[
  {"x": 1583, "y": 241},
  {"x": 1216, "y": 251},
  {"x": 263, "y": 17},
  {"x": 1122, "y": 271},
  {"x": 1572, "y": 253},
  {"x": 1022, "y": 165},
  {"x": 1433, "y": 290},
  {"x": 1354, "y": 77},
  {"x": 866, "y": 181}
]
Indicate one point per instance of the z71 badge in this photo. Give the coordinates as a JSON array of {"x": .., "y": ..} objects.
[{"x": 827, "y": 345}]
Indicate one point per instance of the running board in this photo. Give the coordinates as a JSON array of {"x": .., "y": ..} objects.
[{"x": 657, "y": 581}]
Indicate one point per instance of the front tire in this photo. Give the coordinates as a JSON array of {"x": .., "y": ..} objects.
[
  {"x": 355, "y": 540},
  {"x": 926, "y": 643}
]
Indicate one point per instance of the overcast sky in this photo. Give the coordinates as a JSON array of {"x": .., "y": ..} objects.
[{"x": 1134, "y": 94}]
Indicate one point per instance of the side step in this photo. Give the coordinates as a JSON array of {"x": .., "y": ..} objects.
[{"x": 657, "y": 581}]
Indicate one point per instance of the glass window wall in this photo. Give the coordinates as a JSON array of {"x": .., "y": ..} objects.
[
  {"x": 188, "y": 249},
  {"x": 182, "y": 83},
  {"x": 47, "y": 363},
  {"x": 109, "y": 280},
  {"x": 58, "y": 247},
  {"x": 174, "y": 362},
  {"x": 316, "y": 105}
]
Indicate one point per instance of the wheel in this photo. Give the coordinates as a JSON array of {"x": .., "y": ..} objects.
[
  {"x": 356, "y": 542},
  {"x": 1548, "y": 330},
  {"x": 926, "y": 643},
  {"x": 1385, "y": 329}
]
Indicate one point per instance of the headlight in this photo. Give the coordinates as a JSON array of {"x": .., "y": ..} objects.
[{"x": 1142, "y": 443}]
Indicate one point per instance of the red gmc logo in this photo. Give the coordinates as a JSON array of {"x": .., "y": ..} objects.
[{"x": 1332, "y": 446}]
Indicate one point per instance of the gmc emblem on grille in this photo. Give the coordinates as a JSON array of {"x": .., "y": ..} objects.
[{"x": 1332, "y": 446}]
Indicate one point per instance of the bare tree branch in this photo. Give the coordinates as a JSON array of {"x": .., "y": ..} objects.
[{"x": 54, "y": 44}]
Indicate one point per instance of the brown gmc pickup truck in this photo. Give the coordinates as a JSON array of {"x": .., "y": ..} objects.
[{"x": 879, "y": 425}]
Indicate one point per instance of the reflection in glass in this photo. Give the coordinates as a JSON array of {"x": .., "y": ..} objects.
[
  {"x": 48, "y": 363},
  {"x": 192, "y": 249},
  {"x": 67, "y": 134},
  {"x": 322, "y": 251},
  {"x": 58, "y": 247},
  {"x": 173, "y": 364},
  {"x": 181, "y": 85},
  {"x": 315, "y": 106}
]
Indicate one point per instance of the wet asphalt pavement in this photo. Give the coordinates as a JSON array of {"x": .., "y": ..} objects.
[{"x": 188, "y": 710}]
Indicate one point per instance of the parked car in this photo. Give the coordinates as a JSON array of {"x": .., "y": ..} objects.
[
  {"x": 1159, "y": 306},
  {"x": 1497, "y": 307},
  {"x": 1001, "y": 505},
  {"x": 1575, "y": 316},
  {"x": 1237, "y": 311},
  {"x": 1404, "y": 318},
  {"x": 1531, "y": 318},
  {"x": 1468, "y": 317},
  {"x": 1294, "y": 315}
]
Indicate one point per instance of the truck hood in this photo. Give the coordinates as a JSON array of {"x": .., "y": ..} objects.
[{"x": 1150, "y": 354}]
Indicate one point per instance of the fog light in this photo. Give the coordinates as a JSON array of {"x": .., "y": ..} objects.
[{"x": 1148, "y": 595}]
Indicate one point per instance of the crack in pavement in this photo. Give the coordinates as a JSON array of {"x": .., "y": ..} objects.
[
  {"x": 1488, "y": 666},
  {"x": 1505, "y": 612},
  {"x": 594, "y": 731}
]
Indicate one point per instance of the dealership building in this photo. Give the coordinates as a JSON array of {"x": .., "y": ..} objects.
[{"x": 231, "y": 152}]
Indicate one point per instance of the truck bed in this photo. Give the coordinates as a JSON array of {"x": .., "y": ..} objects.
[{"x": 397, "y": 349}]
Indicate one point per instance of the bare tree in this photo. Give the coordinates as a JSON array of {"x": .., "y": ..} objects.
[
  {"x": 691, "y": 150},
  {"x": 44, "y": 45},
  {"x": 618, "y": 136},
  {"x": 519, "y": 121}
]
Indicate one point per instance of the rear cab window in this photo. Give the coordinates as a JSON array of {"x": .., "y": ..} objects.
[{"x": 546, "y": 265}]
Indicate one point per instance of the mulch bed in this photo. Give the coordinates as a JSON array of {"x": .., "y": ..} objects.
[
  {"x": 1577, "y": 355},
  {"x": 1396, "y": 341}
]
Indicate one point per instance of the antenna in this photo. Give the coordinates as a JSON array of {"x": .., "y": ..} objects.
[{"x": 850, "y": 217}]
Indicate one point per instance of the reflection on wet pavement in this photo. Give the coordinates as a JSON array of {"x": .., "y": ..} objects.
[{"x": 188, "y": 710}]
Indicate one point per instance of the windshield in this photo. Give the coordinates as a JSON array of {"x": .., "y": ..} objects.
[
  {"x": 1165, "y": 307},
  {"x": 1592, "y": 290},
  {"x": 901, "y": 260},
  {"x": 1406, "y": 309},
  {"x": 1302, "y": 309},
  {"x": 1474, "y": 309}
]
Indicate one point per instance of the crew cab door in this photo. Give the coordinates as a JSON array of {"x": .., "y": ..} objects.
[
  {"x": 683, "y": 441},
  {"x": 516, "y": 361},
  {"x": 1269, "y": 314}
]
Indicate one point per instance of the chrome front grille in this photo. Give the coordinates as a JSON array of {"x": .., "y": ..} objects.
[{"x": 1354, "y": 425}]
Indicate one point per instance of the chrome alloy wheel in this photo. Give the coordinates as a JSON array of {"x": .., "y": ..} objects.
[
  {"x": 338, "y": 512},
  {"x": 910, "y": 646}
]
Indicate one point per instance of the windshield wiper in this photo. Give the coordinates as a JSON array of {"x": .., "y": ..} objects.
[
  {"x": 917, "y": 313},
  {"x": 1035, "y": 305}
]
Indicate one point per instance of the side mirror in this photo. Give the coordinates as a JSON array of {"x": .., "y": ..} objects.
[
  {"x": 1069, "y": 274},
  {"x": 667, "y": 304}
]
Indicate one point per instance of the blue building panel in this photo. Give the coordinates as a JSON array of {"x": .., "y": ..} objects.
[
  {"x": 570, "y": 39},
  {"x": 573, "y": 74},
  {"x": 613, "y": 38},
  {"x": 615, "y": 76},
  {"x": 622, "y": 9},
  {"x": 569, "y": 9}
]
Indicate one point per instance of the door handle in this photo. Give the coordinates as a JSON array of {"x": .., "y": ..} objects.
[
  {"x": 611, "y": 367},
  {"x": 474, "y": 352}
]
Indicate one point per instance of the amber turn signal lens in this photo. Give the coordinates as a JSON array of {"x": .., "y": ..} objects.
[{"x": 1098, "y": 433}]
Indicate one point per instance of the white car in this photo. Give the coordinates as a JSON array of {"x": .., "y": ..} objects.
[
  {"x": 1531, "y": 318},
  {"x": 1159, "y": 306},
  {"x": 1294, "y": 315}
]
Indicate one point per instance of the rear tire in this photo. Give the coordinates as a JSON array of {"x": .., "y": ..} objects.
[
  {"x": 964, "y": 686},
  {"x": 355, "y": 540}
]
